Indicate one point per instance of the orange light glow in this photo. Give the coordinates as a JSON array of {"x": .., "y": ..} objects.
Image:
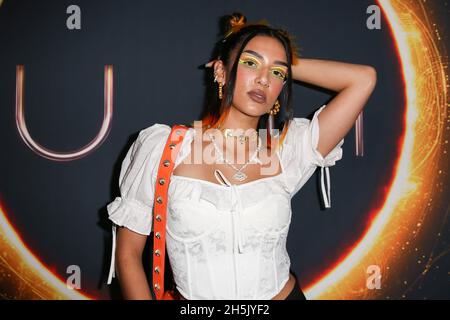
[{"x": 421, "y": 66}]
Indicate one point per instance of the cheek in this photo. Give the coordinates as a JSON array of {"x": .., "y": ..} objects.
[
  {"x": 276, "y": 88},
  {"x": 278, "y": 85},
  {"x": 243, "y": 77}
]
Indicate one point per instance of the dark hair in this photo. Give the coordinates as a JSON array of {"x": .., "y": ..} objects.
[{"x": 235, "y": 34}]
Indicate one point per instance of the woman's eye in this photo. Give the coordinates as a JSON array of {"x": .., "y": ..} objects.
[
  {"x": 279, "y": 74},
  {"x": 249, "y": 63},
  {"x": 252, "y": 64}
]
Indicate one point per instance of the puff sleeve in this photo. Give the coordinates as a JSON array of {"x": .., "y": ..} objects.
[
  {"x": 133, "y": 208},
  {"x": 304, "y": 158}
]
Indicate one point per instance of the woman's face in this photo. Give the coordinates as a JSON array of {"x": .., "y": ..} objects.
[{"x": 262, "y": 68}]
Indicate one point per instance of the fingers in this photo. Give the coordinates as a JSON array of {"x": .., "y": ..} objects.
[{"x": 211, "y": 63}]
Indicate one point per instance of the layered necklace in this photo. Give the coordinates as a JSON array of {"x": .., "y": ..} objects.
[{"x": 228, "y": 133}]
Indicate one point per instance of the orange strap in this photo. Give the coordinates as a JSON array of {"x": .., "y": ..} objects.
[{"x": 166, "y": 165}]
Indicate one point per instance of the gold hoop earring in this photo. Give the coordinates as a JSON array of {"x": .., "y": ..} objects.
[
  {"x": 220, "y": 91},
  {"x": 275, "y": 109}
]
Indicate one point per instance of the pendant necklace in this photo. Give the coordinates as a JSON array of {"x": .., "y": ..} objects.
[{"x": 239, "y": 175}]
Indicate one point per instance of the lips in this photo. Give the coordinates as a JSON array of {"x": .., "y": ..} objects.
[{"x": 257, "y": 95}]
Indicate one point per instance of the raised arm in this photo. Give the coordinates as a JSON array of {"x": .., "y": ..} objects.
[{"x": 354, "y": 84}]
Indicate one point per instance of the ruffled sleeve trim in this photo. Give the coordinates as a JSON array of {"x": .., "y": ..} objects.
[
  {"x": 131, "y": 214},
  {"x": 317, "y": 158}
]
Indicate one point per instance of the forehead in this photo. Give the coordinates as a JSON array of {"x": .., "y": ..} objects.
[{"x": 270, "y": 48}]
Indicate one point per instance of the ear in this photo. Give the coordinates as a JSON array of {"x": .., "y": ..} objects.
[{"x": 219, "y": 70}]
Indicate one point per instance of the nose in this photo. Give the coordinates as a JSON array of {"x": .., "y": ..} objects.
[
  {"x": 263, "y": 78},
  {"x": 263, "y": 81}
]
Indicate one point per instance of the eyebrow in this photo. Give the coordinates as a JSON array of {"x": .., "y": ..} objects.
[{"x": 261, "y": 57}]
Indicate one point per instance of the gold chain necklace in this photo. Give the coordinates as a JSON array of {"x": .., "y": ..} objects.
[{"x": 242, "y": 137}]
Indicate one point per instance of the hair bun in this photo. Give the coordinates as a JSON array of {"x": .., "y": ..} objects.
[
  {"x": 232, "y": 23},
  {"x": 237, "y": 19}
]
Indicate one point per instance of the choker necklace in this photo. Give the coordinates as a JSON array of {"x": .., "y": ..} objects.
[{"x": 242, "y": 137}]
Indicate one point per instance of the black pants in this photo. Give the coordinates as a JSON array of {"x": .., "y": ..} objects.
[{"x": 296, "y": 293}]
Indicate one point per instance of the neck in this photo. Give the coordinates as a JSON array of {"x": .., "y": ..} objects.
[{"x": 238, "y": 120}]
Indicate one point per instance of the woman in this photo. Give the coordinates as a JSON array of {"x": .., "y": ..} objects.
[{"x": 227, "y": 224}]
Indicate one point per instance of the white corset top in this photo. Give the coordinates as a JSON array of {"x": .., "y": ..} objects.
[
  {"x": 234, "y": 248},
  {"x": 239, "y": 235},
  {"x": 224, "y": 241}
]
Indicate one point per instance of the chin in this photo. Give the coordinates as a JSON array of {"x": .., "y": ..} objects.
[{"x": 253, "y": 112}]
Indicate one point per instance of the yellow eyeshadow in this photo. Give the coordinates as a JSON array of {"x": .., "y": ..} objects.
[
  {"x": 245, "y": 59},
  {"x": 242, "y": 60},
  {"x": 280, "y": 69}
]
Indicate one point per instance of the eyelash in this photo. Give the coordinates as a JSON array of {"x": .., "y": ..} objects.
[{"x": 282, "y": 76}]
